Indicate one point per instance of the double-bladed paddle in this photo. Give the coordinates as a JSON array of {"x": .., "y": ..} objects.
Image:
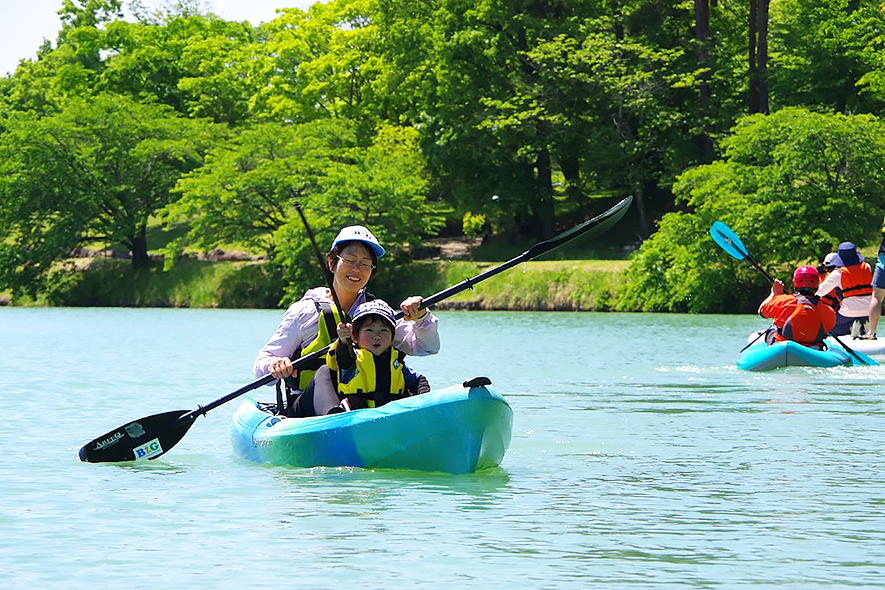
[
  {"x": 731, "y": 243},
  {"x": 150, "y": 437}
]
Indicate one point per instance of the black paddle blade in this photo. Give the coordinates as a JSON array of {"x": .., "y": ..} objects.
[
  {"x": 146, "y": 438},
  {"x": 589, "y": 229}
]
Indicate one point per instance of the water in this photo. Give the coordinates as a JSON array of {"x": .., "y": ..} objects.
[{"x": 641, "y": 458}]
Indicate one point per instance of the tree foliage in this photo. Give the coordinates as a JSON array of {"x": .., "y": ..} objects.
[
  {"x": 94, "y": 172},
  {"x": 245, "y": 192},
  {"x": 387, "y": 111},
  {"x": 792, "y": 185}
]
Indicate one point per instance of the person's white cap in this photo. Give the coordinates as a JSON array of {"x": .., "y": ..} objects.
[
  {"x": 359, "y": 233},
  {"x": 832, "y": 259}
]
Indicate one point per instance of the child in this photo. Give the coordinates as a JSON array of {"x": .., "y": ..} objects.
[
  {"x": 366, "y": 370},
  {"x": 802, "y": 317}
]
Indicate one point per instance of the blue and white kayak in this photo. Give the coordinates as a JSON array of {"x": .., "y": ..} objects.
[
  {"x": 763, "y": 357},
  {"x": 454, "y": 430},
  {"x": 861, "y": 346}
]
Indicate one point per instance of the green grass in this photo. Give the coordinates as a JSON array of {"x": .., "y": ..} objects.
[
  {"x": 190, "y": 283},
  {"x": 537, "y": 285},
  {"x": 544, "y": 285}
]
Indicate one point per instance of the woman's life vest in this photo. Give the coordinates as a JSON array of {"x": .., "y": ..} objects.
[
  {"x": 857, "y": 280},
  {"x": 374, "y": 381},
  {"x": 327, "y": 331},
  {"x": 804, "y": 325}
]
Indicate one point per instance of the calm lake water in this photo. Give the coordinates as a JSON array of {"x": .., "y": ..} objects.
[{"x": 641, "y": 458}]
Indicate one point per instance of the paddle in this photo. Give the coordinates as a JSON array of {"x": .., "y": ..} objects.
[
  {"x": 150, "y": 437},
  {"x": 731, "y": 243},
  {"x": 323, "y": 266}
]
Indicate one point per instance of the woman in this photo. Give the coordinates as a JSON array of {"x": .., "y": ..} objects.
[
  {"x": 854, "y": 277},
  {"x": 311, "y": 322}
]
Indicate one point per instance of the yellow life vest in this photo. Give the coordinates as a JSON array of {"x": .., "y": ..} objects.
[
  {"x": 327, "y": 326},
  {"x": 377, "y": 383}
]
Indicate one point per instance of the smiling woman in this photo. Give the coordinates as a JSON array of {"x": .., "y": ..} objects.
[{"x": 310, "y": 323}]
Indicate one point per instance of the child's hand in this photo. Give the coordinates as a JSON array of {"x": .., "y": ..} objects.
[{"x": 345, "y": 331}]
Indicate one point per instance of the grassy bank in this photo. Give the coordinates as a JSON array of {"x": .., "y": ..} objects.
[
  {"x": 546, "y": 285},
  {"x": 581, "y": 285}
]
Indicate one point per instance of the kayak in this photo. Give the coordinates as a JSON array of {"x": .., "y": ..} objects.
[
  {"x": 867, "y": 347},
  {"x": 762, "y": 357},
  {"x": 453, "y": 430}
]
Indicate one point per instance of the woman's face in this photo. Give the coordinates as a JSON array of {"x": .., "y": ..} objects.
[{"x": 352, "y": 268}]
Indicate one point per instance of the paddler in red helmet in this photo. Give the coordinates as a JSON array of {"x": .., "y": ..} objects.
[{"x": 801, "y": 317}]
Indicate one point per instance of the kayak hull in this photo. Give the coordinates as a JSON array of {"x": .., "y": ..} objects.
[
  {"x": 868, "y": 347},
  {"x": 762, "y": 357},
  {"x": 456, "y": 430}
]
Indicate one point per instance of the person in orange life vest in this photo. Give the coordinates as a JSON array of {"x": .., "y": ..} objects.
[
  {"x": 875, "y": 310},
  {"x": 855, "y": 278},
  {"x": 802, "y": 317},
  {"x": 834, "y": 297}
]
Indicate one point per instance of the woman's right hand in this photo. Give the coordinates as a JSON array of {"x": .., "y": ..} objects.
[{"x": 281, "y": 367}]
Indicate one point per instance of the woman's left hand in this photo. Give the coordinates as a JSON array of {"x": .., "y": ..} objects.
[{"x": 411, "y": 308}]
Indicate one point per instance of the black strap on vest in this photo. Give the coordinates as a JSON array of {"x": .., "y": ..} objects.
[{"x": 292, "y": 386}]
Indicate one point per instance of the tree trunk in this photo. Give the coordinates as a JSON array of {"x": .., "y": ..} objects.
[
  {"x": 138, "y": 248},
  {"x": 762, "y": 55},
  {"x": 638, "y": 198},
  {"x": 753, "y": 88},
  {"x": 570, "y": 166},
  {"x": 702, "y": 34},
  {"x": 544, "y": 210}
]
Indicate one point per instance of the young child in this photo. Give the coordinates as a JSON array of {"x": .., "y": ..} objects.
[
  {"x": 802, "y": 317},
  {"x": 366, "y": 369}
]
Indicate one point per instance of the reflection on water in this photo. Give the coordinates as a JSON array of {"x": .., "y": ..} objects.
[{"x": 369, "y": 486}]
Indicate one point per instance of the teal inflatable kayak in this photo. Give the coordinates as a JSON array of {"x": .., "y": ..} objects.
[
  {"x": 762, "y": 357},
  {"x": 455, "y": 430}
]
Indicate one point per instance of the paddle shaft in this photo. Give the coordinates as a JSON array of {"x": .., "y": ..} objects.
[
  {"x": 593, "y": 226},
  {"x": 322, "y": 261}
]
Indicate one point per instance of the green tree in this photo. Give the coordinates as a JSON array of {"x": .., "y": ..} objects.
[
  {"x": 792, "y": 185},
  {"x": 199, "y": 65},
  {"x": 826, "y": 53},
  {"x": 244, "y": 194},
  {"x": 94, "y": 172}
]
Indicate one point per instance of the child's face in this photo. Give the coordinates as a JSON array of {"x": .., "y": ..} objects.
[{"x": 374, "y": 335}]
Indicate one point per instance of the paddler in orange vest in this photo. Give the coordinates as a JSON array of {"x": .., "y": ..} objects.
[
  {"x": 802, "y": 317},
  {"x": 834, "y": 297},
  {"x": 854, "y": 277}
]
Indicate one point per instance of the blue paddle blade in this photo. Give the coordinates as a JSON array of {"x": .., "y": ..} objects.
[{"x": 728, "y": 240}]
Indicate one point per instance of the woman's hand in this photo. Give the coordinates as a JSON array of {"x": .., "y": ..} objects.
[
  {"x": 281, "y": 367},
  {"x": 411, "y": 308}
]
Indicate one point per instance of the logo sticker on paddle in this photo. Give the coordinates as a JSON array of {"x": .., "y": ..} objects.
[{"x": 148, "y": 450}]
